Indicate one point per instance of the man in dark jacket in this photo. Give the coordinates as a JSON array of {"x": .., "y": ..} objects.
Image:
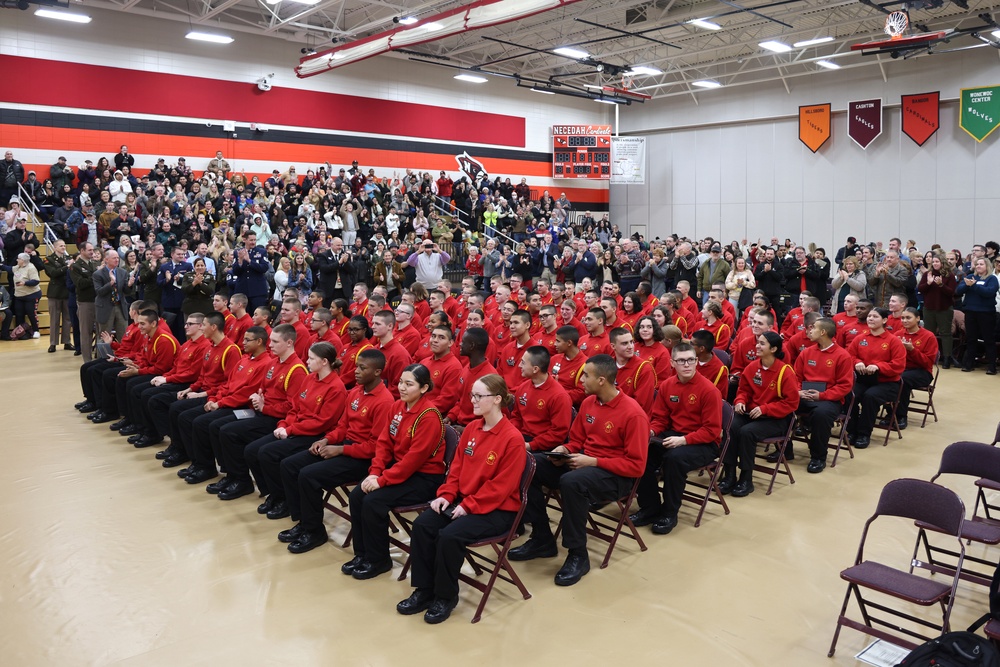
[
  {"x": 57, "y": 265},
  {"x": 11, "y": 173},
  {"x": 802, "y": 274},
  {"x": 336, "y": 272},
  {"x": 769, "y": 276}
]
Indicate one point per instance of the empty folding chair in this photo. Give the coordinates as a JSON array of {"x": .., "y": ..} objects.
[
  {"x": 706, "y": 491},
  {"x": 985, "y": 485},
  {"x": 916, "y": 500}
]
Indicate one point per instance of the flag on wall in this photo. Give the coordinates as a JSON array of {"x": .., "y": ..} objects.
[
  {"x": 814, "y": 125},
  {"x": 864, "y": 121},
  {"x": 921, "y": 116},
  {"x": 980, "y": 111}
]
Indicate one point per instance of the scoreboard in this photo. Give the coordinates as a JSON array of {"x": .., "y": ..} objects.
[{"x": 581, "y": 151}]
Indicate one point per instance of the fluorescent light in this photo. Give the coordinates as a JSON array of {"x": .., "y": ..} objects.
[
  {"x": 307, "y": 2},
  {"x": 408, "y": 20},
  {"x": 543, "y": 91},
  {"x": 590, "y": 85},
  {"x": 603, "y": 101},
  {"x": 777, "y": 47},
  {"x": 812, "y": 42},
  {"x": 995, "y": 33},
  {"x": 571, "y": 52},
  {"x": 707, "y": 25},
  {"x": 429, "y": 27},
  {"x": 62, "y": 16},
  {"x": 707, "y": 83},
  {"x": 337, "y": 55},
  {"x": 645, "y": 69},
  {"x": 829, "y": 64},
  {"x": 471, "y": 78},
  {"x": 209, "y": 37}
]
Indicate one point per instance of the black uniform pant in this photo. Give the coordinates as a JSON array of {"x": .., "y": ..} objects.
[
  {"x": 370, "y": 512},
  {"x": 745, "y": 433},
  {"x": 912, "y": 379},
  {"x": 869, "y": 396},
  {"x": 91, "y": 374},
  {"x": 437, "y": 548},
  {"x": 980, "y": 326},
  {"x": 141, "y": 405},
  {"x": 305, "y": 477},
  {"x": 264, "y": 456},
  {"x": 235, "y": 436},
  {"x": 165, "y": 409},
  {"x": 676, "y": 463},
  {"x": 819, "y": 417},
  {"x": 197, "y": 429},
  {"x": 578, "y": 489},
  {"x": 124, "y": 387}
]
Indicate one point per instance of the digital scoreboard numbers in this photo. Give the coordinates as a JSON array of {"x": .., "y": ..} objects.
[{"x": 581, "y": 151}]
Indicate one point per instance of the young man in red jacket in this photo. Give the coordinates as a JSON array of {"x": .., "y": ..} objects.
[
  {"x": 709, "y": 365},
  {"x": 542, "y": 408},
  {"x": 445, "y": 370},
  {"x": 159, "y": 349},
  {"x": 879, "y": 360},
  {"x": 546, "y": 335},
  {"x": 238, "y": 307},
  {"x": 636, "y": 377},
  {"x": 567, "y": 363},
  {"x": 596, "y": 341},
  {"x": 396, "y": 356},
  {"x": 473, "y": 346},
  {"x": 607, "y": 449},
  {"x": 511, "y": 353},
  {"x": 319, "y": 321},
  {"x": 921, "y": 353},
  {"x": 684, "y": 435}
]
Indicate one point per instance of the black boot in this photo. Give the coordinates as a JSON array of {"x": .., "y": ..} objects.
[
  {"x": 728, "y": 480},
  {"x": 745, "y": 486}
]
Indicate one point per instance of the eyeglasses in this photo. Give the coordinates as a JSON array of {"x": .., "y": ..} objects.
[
  {"x": 191, "y": 324},
  {"x": 355, "y": 329},
  {"x": 478, "y": 397},
  {"x": 686, "y": 361}
]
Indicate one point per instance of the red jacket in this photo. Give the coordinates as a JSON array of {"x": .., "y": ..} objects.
[
  {"x": 637, "y": 379},
  {"x": 744, "y": 352},
  {"x": 462, "y": 413},
  {"x": 834, "y": 366},
  {"x": 681, "y": 319},
  {"x": 722, "y": 332},
  {"x": 793, "y": 323},
  {"x": 925, "y": 349},
  {"x": 850, "y": 331},
  {"x": 546, "y": 340},
  {"x": 158, "y": 352},
  {"x": 396, "y": 359},
  {"x": 510, "y": 362},
  {"x": 884, "y": 351},
  {"x": 282, "y": 381},
  {"x": 412, "y": 441},
  {"x": 242, "y": 325},
  {"x": 774, "y": 390},
  {"x": 131, "y": 343},
  {"x": 330, "y": 337},
  {"x": 303, "y": 339},
  {"x": 245, "y": 380},
  {"x": 410, "y": 339},
  {"x": 229, "y": 326},
  {"x": 567, "y": 373},
  {"x": 575, "y": 323},
  {"x": 486, "y": 473},
  {"x": 542, "y": 412},
  {"x": 367, "y": 416},
  {"x": 593, "y": 345},
  {"x": 692, "y": 408},
  {"x": 842, "y": 319},
  {"x": 317, "y": 407},
  {"x": 219, "y": 360},
  {"x": 616, "y": 433},
  {"x": 659, "y": 355},
  {"x": 188, "y": 361},
  {"x": 349, "y": 361},
  {"x": 794, "y": 346},
  {"x": 894, "y": 324},
  {"x": 445, "y": 373},
  {"x": 715, "y": 372}
]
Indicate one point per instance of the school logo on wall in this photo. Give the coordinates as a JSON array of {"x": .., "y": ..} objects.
[{"x": 470, "y": 166}]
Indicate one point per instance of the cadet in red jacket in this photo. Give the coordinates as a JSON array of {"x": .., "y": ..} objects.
[
  {"x": 342, "y": 456},
  {"x": 709, "y": 365},
  {"x": 765, "y": 402},
  {"x": 238, "y": 307},
  {"x": 649, "y": 345},
  {"x": 445, "y": 370},
  {"x": 596, "y": 341},
  {"x": 480, "y": 498},
  {"x": 851, "y": 330},
  {"x": 745, "y": 348},
  {"x": 319, "y": 321},
  {"x": 686, "y": 430},
  {"x": 358, "y": 333},
  {"x": 820, "y": 405},
  {"x": 407, "y": 468},
  {"x": 542, "y": 409},
  {"x": 473, "y": 347},
  {"x": 712, "y": 322},
  {"x": 636, "y": 377},
  {"x": 921, "y": 353},
  {"x": 566, "y": 366},
  {"x": 92, "y": 371},
  {"x": 290, "y": 313},
  {"x": 606, "y": 453},
  {"x": 396, "y": 356},
  {"x": 546, "y": 336},
  {"x": 406, "y": 333},
  {"x": 879, "y": 360},
  {"x": 511, "y": 353},
  {"x": 800, "y": 340}
]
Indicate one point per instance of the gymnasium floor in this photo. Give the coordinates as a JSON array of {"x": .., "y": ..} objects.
[{"x": 112, "y": 560}]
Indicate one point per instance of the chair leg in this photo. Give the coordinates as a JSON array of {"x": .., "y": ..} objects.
[{"x": 840, "y": 617}]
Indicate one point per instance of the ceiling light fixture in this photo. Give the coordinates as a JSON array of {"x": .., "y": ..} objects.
[
  {"x": 407, "y": 20},
  {"x": 62, "y": 16},
  {"x": 337, "y": 55},
  {"x": 542, "y": 91},
  {"x": 812, "y": 42},
  {"x": 430, "y": 27},
  {"x": 777, "y": 47},
  {"x": 707, "y": 25},
  {"x": 645, "y": 69},
  {"x": 570, "y": 52},
  {"x": 605, "y": 101},
  {"x": 471, "y": 78},
  {"x": 995, "y": 33},
  {"x": 209, "y": 37},
  {"x": 827, "y": 64},
  {"x": 706, "y": 83}
]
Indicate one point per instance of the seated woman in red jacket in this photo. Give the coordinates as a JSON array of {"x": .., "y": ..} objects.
[
  {"x": 478, "y": 500},
  {"x": 766, "y": 400},
  {"x": 407, "y": 469}
]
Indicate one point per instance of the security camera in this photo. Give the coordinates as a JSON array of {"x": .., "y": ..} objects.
[{"x": 264, "y": 82}]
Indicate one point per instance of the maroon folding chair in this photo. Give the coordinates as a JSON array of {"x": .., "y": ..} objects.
[
  {"x": 923, "y": 406},
  {"x": 891, "y": 424},
  {"x": 985, "y": 485},
  {"x": 780, "y": 444},
  {"x": 972, "y": 459},
  {"x": 706, "y": 491},
  {"x": 842, "y": 441},
  {"x": 916, "y": 500},
  {"x": 342, "y": 494}
]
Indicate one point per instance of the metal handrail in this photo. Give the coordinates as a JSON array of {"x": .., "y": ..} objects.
[{"x": 29, "y": 206}]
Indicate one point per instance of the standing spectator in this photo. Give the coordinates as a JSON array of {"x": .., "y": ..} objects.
[
  {"x": 249, "y": 274},
  {"x": 109, "y": 295},
  {"x": 11, "y": 173},
  {"x": 685, "y": 264},
  {"x": 123, "y": 158},
  {"x": 979, "y": 290},
  {"x": 655, "y": 271},
  {"x": 219, "y": 167},
  {"x": 57, "y": 265},
  {"x": 429, "y": 264},
  {"x": 26, "y": 294},
  {"x": 713, "y": 270},
  {"x": 937, "y": 285},
  {"x": 60, "y": 174},
  {"x": 850, "y": 279},
  {"x": 583, "y": 263},
  {"x": 886, "y": 277},
  {"x": 82, "y": 275}
]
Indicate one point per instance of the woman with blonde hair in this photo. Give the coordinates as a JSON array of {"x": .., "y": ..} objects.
[{"x": 849, "y": 280}]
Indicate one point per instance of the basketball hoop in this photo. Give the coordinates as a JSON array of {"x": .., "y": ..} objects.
[
  {"x": 626, "y": 81},
  {"x": 896, "y": 24}
]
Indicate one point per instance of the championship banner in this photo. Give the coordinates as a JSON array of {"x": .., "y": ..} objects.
[
  {"x": 921, "y": 116},
  {"x": 864, "y": 121},
  {"x": 980, "y": 111},
  {"x": 628, "y": 160},
  {"x": 814, "y": 125}
]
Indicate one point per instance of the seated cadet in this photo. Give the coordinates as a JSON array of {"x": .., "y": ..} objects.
[
  {"x": 546, "y": 336},
  {"x": 473, "y": 347},
  {"x": 396, "y": 356},
  {"x": 241, "y": 319},
  {"x": 567, "y": 316},
  {"x": 262, "y": 318},
  {"x": 921, "y": 353},
  {"x": 445, "y": 369},
  {"x": 542, "y": 409},
  {"x": 636, "y": 377},
  {"x": 897, "y": 303},
  {"x": 847, "y": 333},
  {"x": 314, "y": 411},
  {"x": 879, "y": 360},
  {"x": 745, "y": 347},
  {"x": 511, "y": 353},
  {"x": 271, "y": 402},
  {"x": 826, "y": 372},
  {"x": 684, "y": 436},
  {"x": 709, "y": 365},
  {"x": 342, "y": 456},
  {"x": 359, "y": 333},
  {"x": 407, "y": 468},
  {"x": 479, "y": 499},
  {"x": 801, "y": 340},
  {"x": 766, "y": 400},
  {"x": 476, "y": 319},
  {"x": 606, "y": 452},
  {"x": 319, "y": 322},
  {"x": 290, "y": 313},
  {"x": 596, "y": 341},
  {"x": 649, "y": 345},
  {"x": 566, "y": 365},
  {"x": 712, "y": 322},
  {"x": 92, "y": 372},
  {"x": 848, "y": 314},
  {"x": 407, "y": 334}
]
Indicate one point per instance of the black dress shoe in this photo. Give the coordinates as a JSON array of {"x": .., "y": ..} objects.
[
  {"x": 118, "y": 425},
  {"x": 367, "y": 570},
  {"x": 104, "y": 418},
  {"x": 163, "y": 453},
  {"x": 727, "y": 483},
  {"x": 966, "y": 369},
  {"x": 67, "y": 346},
  {"x": 201, "y": 474},
  {"x": 215, "y": 488},
  {"x": 175, "y": 460},
  {"x": 535, "y": 548},
  {"x": 992, "y": 370},
  {"x": 664, "y": 525},
  {"x": 52, "y": 348},
  {"x": 132, "y": 439},
  {"x": 816, "y": 465},
  {"x": 901, "y": 423},
  {"x": 266, "y": 506},
  {"x": 645, "y": 516},
  {"x": 81, "y": 404},
  {"x": 884, "y": 423},
  {"x": 573, "y": 569},
  {"x": 184, "y": 472},
  {"x": 309, "y": 540},
  {"x": 128, "y": 429},
  {"x": 775, "y": 455},
  {"x": 946, "y": 363},
  {"x": 278, "y": 511},
  {"x": 800, "y": 432},
  {"x": 419, "y": 600},
  {"x": 86, "y": 407},
  {"x": 292, "y": 534},
  {"x": 238, "y": 489},
  {"x": 862, "y": 442},
  {"x": 744, "y": 487},
  {"x": 95, "y": 414},
  {"x": 149, "y": 441},
  {"x": 440, "y": 610},
  {"x": 348, "y": 567}
]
